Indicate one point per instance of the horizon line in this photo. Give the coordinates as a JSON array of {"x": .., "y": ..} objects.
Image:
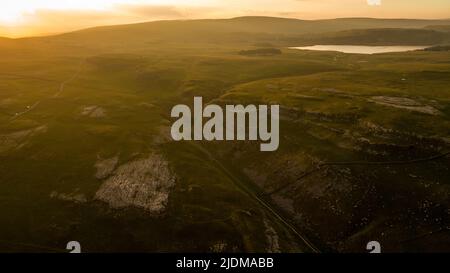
[{"x": 43, "y": 35}]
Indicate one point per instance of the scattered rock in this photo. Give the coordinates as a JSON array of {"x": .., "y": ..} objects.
[
  {"x": 218, "y": 247},
  {"x": 18, "y": 139},
  {"x": 143, "y": 183},
  {"x": 93, "y": 112},
  {"x": 71, "y": 197},
  {"x": 405, "y": 103},
  {"x": 273, "y": 245},
  {"x": 105, "y": 167},
  {"x": 369, "y": 125}
]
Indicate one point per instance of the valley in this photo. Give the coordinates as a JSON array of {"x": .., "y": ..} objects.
[{"x": 86, "y": 152}]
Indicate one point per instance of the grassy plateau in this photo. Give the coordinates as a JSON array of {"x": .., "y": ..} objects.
[{"x": 86, "y": 152}]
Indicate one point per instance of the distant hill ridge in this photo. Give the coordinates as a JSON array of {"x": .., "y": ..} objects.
[
  {"x": 274, "y": 25},
  {"x": 251, "y": 30}
]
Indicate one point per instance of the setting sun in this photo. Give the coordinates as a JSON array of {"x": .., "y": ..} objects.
[{"x": 40, "y": 17}]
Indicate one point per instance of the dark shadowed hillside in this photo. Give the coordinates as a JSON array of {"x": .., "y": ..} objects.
[{"x": 444, "y": 28}]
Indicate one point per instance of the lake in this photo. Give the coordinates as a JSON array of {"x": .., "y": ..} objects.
[{"x": 361, "y": 49}]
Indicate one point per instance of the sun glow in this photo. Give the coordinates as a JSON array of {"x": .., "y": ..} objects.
[
  {"x": 13, "y": 12},
  {"x": 20, "y": 18},
  {"x": 17, "y": 11}
]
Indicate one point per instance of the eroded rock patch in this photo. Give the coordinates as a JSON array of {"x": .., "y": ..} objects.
[
  {"x": 17, "y": 140},
  {"x": 105, "y": 167},
  {"x": 405, "y": 103},
  {"x": 93, "y": 112},
  {"x": 144, "y": 183}
]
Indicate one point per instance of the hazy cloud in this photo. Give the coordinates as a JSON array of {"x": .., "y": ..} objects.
[
  {"x": 151, "y": 11},
  {"x": 46, "y": 19}
]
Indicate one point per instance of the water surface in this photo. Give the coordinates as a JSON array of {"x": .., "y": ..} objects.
[{"x": 361, "y": 49}]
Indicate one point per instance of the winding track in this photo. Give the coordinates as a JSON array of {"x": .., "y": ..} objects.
[
  {"x": 260, "y": 200},
  {"x": 57, "y": 94}
]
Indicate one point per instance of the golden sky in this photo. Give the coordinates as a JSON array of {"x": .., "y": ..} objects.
[{"x": 39, "y": 17}]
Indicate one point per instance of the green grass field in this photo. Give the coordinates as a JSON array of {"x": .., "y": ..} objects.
[{"x": 357, "y": 158}]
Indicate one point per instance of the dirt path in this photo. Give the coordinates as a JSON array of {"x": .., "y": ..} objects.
[
  {"x": 57, "y": 94},
  {"x": 74, "y": 76}
]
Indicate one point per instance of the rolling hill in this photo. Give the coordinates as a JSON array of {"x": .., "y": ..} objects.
[
  {"x": 250, "y": 30},
  {"x": 86, "y": 152},
  {"x": 271, "y": 25},
  {"x": 444, "y": 28}
]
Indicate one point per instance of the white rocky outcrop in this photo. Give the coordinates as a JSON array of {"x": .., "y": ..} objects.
[{"x": 144, "y": 183}]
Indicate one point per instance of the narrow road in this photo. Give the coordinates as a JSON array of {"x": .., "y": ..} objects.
[
  {"x": 260, "y": 200},
  {"x": 257, "y": 198}
]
